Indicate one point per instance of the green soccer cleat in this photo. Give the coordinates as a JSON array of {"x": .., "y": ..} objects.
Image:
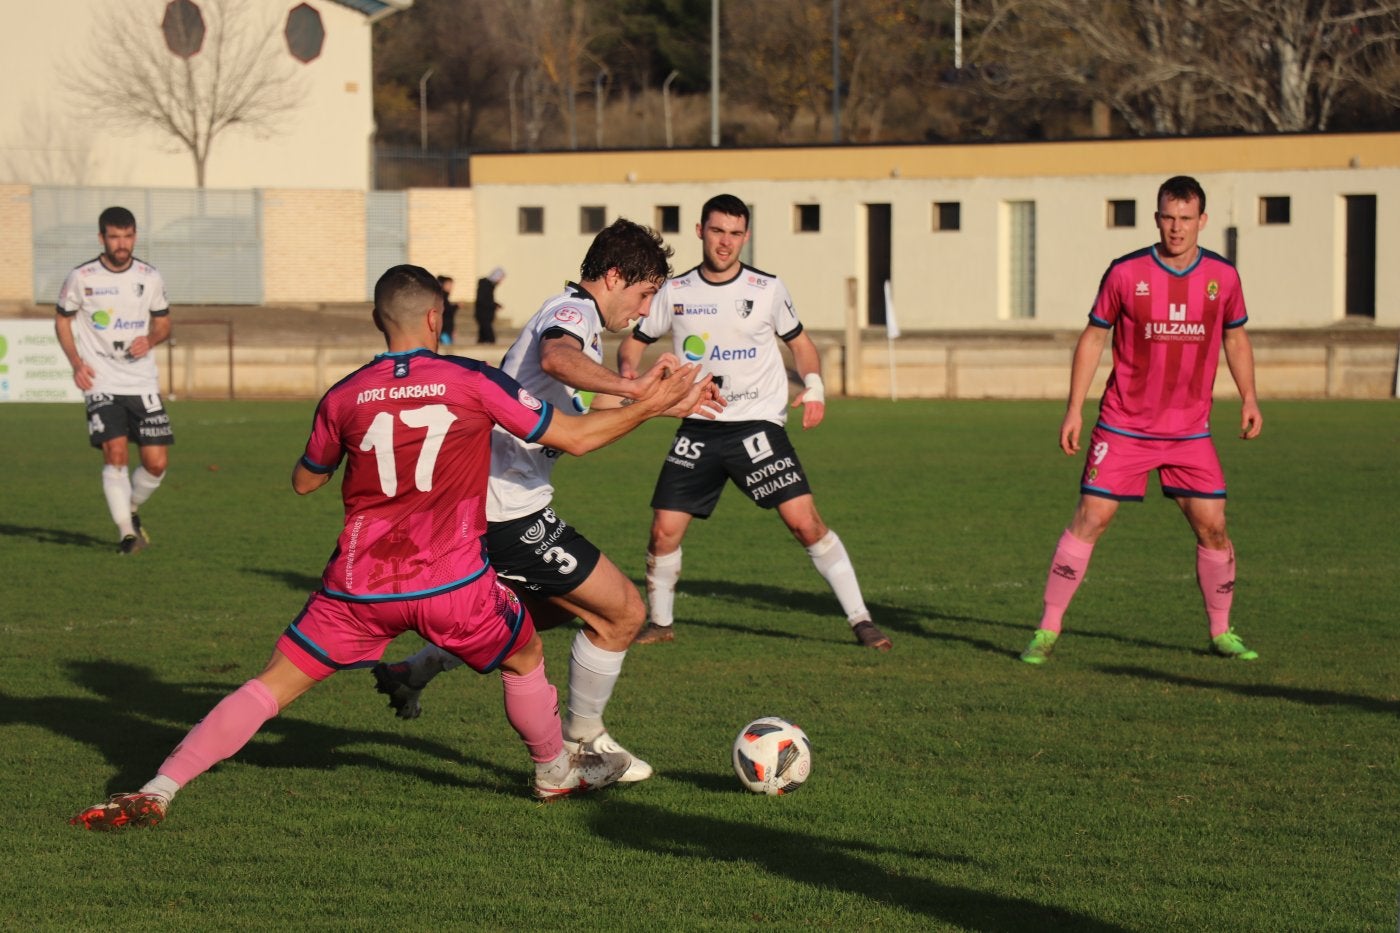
[
  {"x": 1038, "y": 651},
  {"x": 1229, "y": 645}
]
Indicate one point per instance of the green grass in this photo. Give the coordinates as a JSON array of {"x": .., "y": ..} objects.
[{"x": 1133, "y": 783}]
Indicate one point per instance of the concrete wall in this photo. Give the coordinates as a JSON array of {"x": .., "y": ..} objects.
[
  {"x": 313, "y": 246},
  {"x": 1311, "y": 364}
]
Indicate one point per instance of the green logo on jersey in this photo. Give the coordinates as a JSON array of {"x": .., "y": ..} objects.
[
  {"x": 100, "y": 319},
  {"x": 694, "y": 347},
  {"x": 4, "y": 348}
]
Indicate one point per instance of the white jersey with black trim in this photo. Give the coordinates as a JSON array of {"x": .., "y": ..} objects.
[
  {"x": 111, "y": 310},
  {"x": 732, "y": 330},
  {"x": 520, "y": 471}
]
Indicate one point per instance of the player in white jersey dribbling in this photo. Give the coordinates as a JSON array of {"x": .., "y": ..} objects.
[
  {"x": 557, "y": 572},
  {"x": 729, "y": 317},
  {"x": 112, "y": 312}
]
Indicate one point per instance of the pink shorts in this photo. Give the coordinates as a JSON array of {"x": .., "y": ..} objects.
[
  {"x": 1117, "y": 467},
  {"x": 483, "y": 623}
]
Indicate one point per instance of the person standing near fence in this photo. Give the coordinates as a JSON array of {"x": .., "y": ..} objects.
[
  {"x": 112, "y": 313},
  {"x": 486, "y": 306}
]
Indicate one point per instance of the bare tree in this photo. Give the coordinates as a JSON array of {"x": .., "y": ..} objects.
[
  {"x": 558, "y": 40},
  {"x": 241, "y": 77},
  {"x": 1188, "y": 66}
]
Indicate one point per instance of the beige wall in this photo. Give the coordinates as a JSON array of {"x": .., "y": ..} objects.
[
  {"x": 442, "y": 234},
  {"x": 16, "y": 245},
  {"x": 313, "y": 246}
]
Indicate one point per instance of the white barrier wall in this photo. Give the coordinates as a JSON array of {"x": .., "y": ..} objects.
[{"x": 32, "y": 365}]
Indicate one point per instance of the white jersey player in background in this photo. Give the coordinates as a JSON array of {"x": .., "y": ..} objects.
[
  {"x": 557, "y": 572},
  {"x": 112, "y": 312},
  {"x": 729, "y": 318}
]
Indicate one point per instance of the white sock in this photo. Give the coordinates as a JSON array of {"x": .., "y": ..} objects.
[
  {"x": 556, "y": 769},
  {"x": 662, "y": 573},
  {"x": 830, "y": 558},
  {"x": 430, "y": 662},
  {"x": 161, "y": 786},
  {"x": 593, "y": 673},
  {"x": 142, "y": 485},
  {"x": 116, "y": 486}
]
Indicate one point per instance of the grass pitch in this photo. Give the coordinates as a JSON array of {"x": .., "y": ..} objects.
[{"x": 1133, "y": 783}]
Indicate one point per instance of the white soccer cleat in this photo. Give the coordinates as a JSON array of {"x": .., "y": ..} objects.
[
  {"x": 603, "y": 743},
  {"x": 587, "y": 771}
]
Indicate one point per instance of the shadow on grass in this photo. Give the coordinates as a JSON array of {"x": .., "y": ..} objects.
[
  {"x": 895, "y": 620},
  {"x": 301, "y": 582},
  {"x": 128, "y": 724},
  {"x": 837, "y": 864},
  {"x": 57, "y": 536},
  {"x": 1305, "y": 695}
]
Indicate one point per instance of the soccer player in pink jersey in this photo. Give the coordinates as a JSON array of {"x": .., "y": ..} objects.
[
  {"x": 414, "y": 430},
  {"x": 1171, "y": 308}
]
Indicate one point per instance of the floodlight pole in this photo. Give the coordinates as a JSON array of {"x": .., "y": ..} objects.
[
  {"x": 836, "y": 71},
  {"x": 666, "y": 103},
  {"x": 423, "y": 109},
  {"x": 714, "y": 73}
]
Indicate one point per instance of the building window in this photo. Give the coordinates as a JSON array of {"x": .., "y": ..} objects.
[
  {"x": 1021, "y": 256},
  {"x": 808, "y": 218},
  {"x": 1275, "y": 210},
  {"x": 668, "y": 218},
  {"x": 532, "y": 220},
  {"x": 947, "y": 215},
  {"x": 591, "y": 220},
  {"x": 1122, "y": 213}
]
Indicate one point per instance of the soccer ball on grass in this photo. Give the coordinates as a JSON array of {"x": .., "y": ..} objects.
[{"x": 772, "y": 756}]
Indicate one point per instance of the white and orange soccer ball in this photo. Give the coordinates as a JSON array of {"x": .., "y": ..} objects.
[{"x": 772, "y": 756}]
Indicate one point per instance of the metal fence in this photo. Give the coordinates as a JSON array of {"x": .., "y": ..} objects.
[
  {"x": 396, "y": 168},
  {"x": 207, "y": 243},
  {"x": 386, "y": 234}
]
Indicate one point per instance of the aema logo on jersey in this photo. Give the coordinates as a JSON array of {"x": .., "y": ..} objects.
[
  {"x": 101, "y": 319},
  {"x": 695, "y": 349}
]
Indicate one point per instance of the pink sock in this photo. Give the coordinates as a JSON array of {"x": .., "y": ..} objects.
[
  {"x": 532, "y": 706},
  {"x": 1066, "y": 571},
  {"x": 226, "y": 729},
  {"x": 1215, "y": 572}
]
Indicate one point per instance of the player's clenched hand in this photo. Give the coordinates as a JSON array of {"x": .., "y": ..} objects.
[
  {"x": 664, "y": 364},
  {"x": 1069, "y": 432},
  {"x": 139, "y": 347},
  {"x": 1251, "y": 421},
  {"x": 671, "y": 389},
  {"x": 82, "y": 376}
]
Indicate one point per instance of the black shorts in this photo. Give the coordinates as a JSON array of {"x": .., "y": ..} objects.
[
  {"x": 756, "y": 455},
  {"x": 541, "y": 553},
  {"x": 139, "y": 418}
]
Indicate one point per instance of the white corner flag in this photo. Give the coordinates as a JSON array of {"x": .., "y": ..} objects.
[{"x": 891, "y": 334}]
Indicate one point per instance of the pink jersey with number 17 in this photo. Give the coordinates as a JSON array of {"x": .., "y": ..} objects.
[
  {"x": 1167, "y": 331},
  {"x": 415, "y": 430}
]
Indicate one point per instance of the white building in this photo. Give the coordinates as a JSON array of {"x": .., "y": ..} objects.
[
  {"x": 49, "y": 137},
  {"x": 1006, "y": 238}
]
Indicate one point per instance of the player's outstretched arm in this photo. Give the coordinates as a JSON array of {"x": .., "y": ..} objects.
[
  {"x": 1239, "y": 356},
  {"x": 1081, "y": 376},
  {"x": 562, "y": 358},
  {"x": 677, "y": 390}
]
